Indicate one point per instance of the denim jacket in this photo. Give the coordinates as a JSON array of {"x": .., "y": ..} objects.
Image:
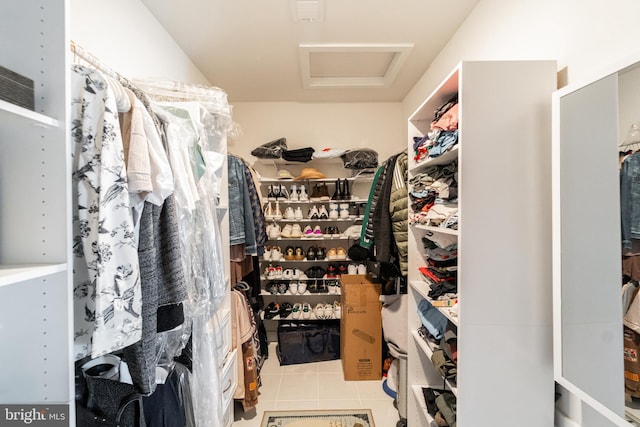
[
  {"x": 241, "y": 227},
  {"x": 246, "y": 222}
]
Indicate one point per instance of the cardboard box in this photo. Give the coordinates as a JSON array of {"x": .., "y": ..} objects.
[{"x": 361, "y": 328}]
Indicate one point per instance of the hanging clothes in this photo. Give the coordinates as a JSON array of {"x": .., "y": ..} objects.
[
  {"x": 247, "y": 225},
  {"x": 257, "y": 213},
  {"x": 147, "y": 240},
  {"x": 107, "y": 289},
  {"x": 385, "y": 248},
  {"x": 162, "y": 277},
  {"x": 241, "y": 226},
  {"x": 242, "y": 334},
  {"x": 399, "y": 211}
]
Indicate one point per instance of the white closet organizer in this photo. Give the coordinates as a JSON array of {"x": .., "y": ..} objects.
[
  {"x": 222, "y": 320},
  {"x": 503, "y": 324},
  {"x": 359, "y": 189},
  {"x": 35, "y": 217}
]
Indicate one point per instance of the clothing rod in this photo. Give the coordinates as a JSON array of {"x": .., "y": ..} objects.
[
  {"x": 177, "y": 91},
  {"x": 81, "y": 53},
  {"x": 163, "y": 90}
]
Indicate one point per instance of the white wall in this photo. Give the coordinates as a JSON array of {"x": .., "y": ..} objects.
[
  {"x": 583, "y": 36},
  {"x": 380, "y": 126},
  {"x": 125, "y": 36}
]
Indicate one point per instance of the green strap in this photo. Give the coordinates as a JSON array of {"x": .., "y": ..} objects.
[{"x": 364, "y": 241}]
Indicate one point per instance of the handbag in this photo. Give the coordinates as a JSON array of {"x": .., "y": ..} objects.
[
  {"x": 270, "y": 150},
  {"x": 110, "y": 403},
  {"x": 363, "y": 158}
]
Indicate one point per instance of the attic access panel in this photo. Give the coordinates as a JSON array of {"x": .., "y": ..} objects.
[{"x": 351, "y": 65}]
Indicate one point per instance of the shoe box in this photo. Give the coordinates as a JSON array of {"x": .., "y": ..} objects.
[{"x": 361, "y": 328}]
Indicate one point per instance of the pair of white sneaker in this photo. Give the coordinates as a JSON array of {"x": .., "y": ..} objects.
[
  {"x": 273, "y": 254},
  {"x": 291, "y": 213},
  {"x": 298, "y": 193},
  {"x": 273, "y": 231},
  {"x": 297, "y": 288},
  {"x": 357, "y": 269},
  {"x": 338, "y": 210},
  {"x": 333, "y": 289},
  {"x": 323, "y": 311},
  {"x": 312, "y": 232},
  {"x": 291, "y": 274},
  {"x": 301, "y": 311},
  {"x": 318, "y": 213},
  {"x": 271, "y": 213},
  {"x": 291, "y": 231},
  {"x": 272, "y": 272}
]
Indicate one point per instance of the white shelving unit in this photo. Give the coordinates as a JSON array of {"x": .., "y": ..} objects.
[
  {"x": 361, "y": 186},
  {"x": 422, "y": 290},
  {"x": 36, "y": 326},
  {"x": 504, "y": 264},
  {"x": 227, "y": 357}
]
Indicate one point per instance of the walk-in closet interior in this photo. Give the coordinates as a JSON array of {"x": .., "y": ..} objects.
[{"x": 319, "y": 213}]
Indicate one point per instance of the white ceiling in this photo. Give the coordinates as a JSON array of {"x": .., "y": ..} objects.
[{"x": 361, "y": 50}]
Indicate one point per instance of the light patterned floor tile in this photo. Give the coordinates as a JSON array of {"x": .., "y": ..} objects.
[
  {"x": 339, "y": 404},
  {"x": 303, "y": 386},
  {"x": 332, "y": 386},
  {"x": 296, "y": 405},
  {"x": 370, "y": 390},
  {"x": 269, "y": 386}
]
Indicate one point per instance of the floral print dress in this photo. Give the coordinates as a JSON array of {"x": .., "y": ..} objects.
[{"x": 107, "y": 293}]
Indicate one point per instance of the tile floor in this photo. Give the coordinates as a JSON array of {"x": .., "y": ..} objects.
[{"x": 317, "y": 385}]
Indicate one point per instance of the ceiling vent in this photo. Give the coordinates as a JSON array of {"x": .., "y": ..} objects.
[
  {"x": 307, "y": 10},
  {"x": 351, "y": 65}
]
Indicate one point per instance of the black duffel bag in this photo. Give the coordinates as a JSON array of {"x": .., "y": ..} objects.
[{"x": 300, "y": 342}]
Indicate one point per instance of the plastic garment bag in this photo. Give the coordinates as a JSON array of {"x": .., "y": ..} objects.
[{"x": 197, "y": 182}]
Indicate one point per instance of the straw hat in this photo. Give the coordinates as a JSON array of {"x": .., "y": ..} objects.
[
  {"x": 284, "y": 174},
  {"x": 310, "y": 173}
]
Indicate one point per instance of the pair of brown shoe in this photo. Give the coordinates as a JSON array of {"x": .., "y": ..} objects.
[{"x": 320, "y": 193}]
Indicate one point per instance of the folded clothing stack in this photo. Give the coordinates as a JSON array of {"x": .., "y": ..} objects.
[{"x": 443, "y": 135}]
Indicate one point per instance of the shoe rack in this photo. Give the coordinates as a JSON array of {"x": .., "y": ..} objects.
[{"x": 311, "y": 224}]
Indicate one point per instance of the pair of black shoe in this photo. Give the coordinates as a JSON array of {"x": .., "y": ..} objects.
[
  {"x": 357, "y": 209},
  {"x": 315, "y": 253},
  {"x": 331, "y": 230},
  {"x": 315, "y": 272},
  {"x": 274, "y": 309},
  {"x": 276, "y": 193},
  {"x": 342, "y": 190},
  {"x": 317, "y": 288}
]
